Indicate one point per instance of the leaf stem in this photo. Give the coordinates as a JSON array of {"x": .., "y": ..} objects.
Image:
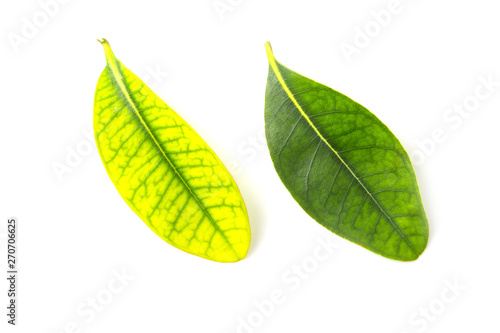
[{"x": 110, "y": 57}]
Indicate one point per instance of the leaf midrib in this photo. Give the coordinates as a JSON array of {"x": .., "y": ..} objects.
[
  {"x": 274, "y": 65},
  {"x": 118, "y": 79}
]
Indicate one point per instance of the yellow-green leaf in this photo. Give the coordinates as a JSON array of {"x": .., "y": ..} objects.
[{"x": 164, "y": 170}]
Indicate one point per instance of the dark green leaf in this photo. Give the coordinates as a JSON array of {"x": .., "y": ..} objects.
[{"x": 343, "y": 165}]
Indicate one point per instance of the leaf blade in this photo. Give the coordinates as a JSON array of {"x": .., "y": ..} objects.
[
  {"x": 322, "y": 143},
  {"x": 165, "y": 171}
]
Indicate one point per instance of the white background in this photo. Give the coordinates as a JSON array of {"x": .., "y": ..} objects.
[{"x": 76, "y": 232}]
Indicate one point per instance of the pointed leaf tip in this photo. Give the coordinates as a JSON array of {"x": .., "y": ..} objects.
[
  {"x": 107, "y": 50},
  {"x": 269, "y": 51}
]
